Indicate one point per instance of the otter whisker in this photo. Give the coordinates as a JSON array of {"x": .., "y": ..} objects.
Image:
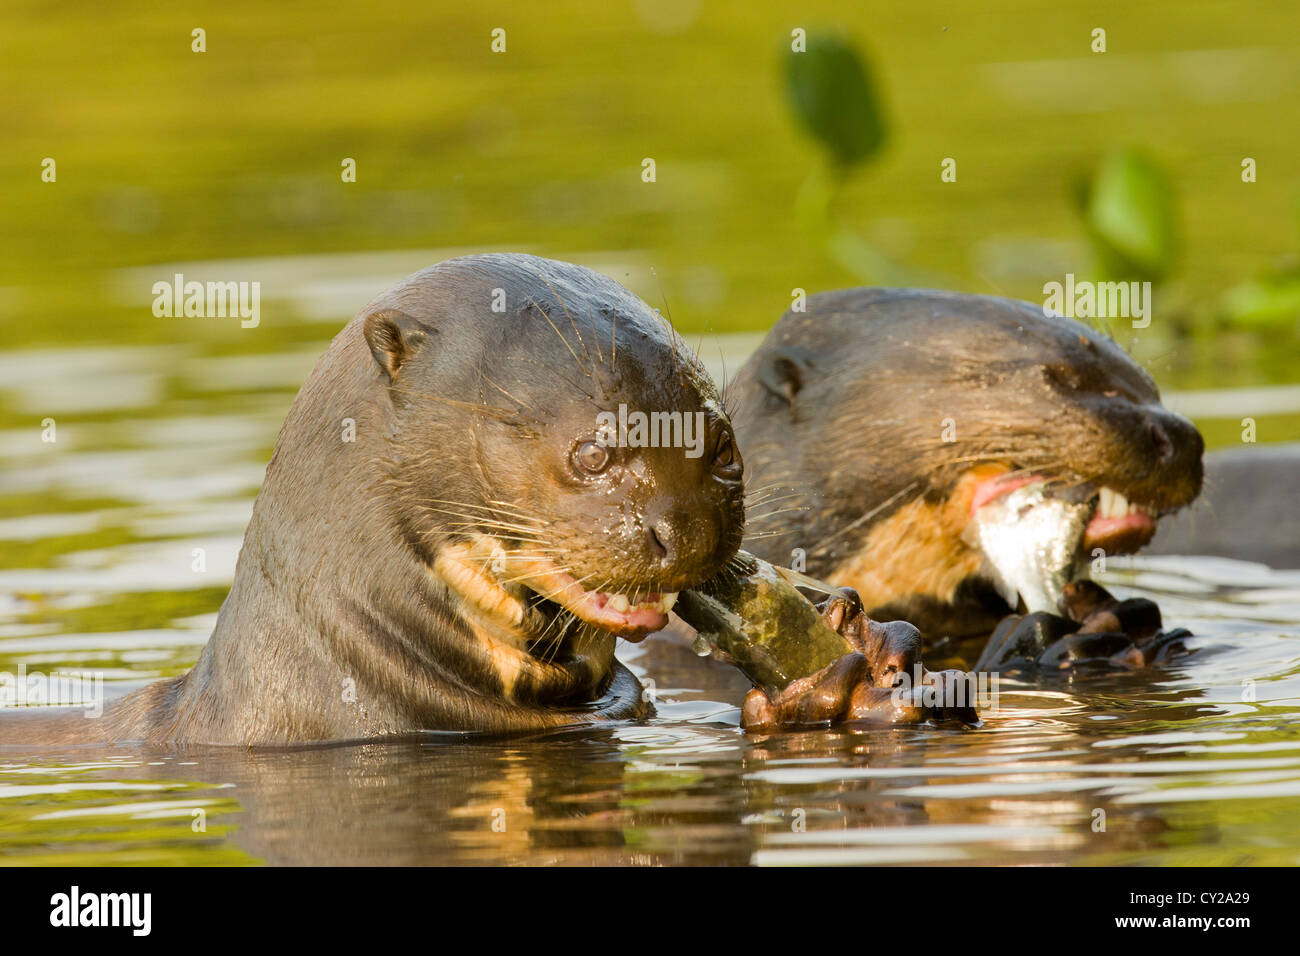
[
  {"x": 736, "y": 565},
  {"x": 493, "y": 511},
  {"x": 667, "y": 316},
  {"x": 490, "y": 410},
  {"x": 486, "y": 519},
  {"x": 487, "y": 379},
  {"x": 731, "y": 405},
  {"x": 553, "y": 650},
  {"x": 536, "y": 545},
  {"x": 722, "y": 389},
  {"x": 772, "y": 499},
  {"x": 551, "y": 370},
  {"x": 576, "y": 331},
  {"x": 478, "y": 521},
  {"x": 779, "y": 511},
  {"x": 566, "y": 621},
  {"x": 547, "y": 644},
  {"x": 547, "y": 317},
  {"x": 769, "y": 486},
  {"x": 492, "y": 516},
  {"x": 867, "y": 515},
  {"x": 504, "y": 506},
  {"x": 520, "y": 578}
]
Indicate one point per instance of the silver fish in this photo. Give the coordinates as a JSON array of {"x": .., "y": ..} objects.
[{"x": 1030, "y": 541}]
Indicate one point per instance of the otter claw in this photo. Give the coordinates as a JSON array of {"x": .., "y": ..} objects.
[
  {"x": 841, "y": 608},
  {"x": 1165, "y": 645},
  {"x": 891, "y": 648}
]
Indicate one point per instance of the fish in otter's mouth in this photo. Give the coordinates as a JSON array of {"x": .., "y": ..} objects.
[{"x": 1037, "y": 534}]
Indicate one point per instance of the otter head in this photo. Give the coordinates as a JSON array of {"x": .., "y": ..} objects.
[
  {"x": 562, "y": 460},
  {"x": 904, "y": 417}
]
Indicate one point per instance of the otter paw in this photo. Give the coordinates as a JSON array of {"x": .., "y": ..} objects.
[
  {"x": 1018, "y": 641},
  {"x": 882, "y": 682},
  {"x": 1098, "y": 629},
  {"x": 843, "y": 612},
  {"x": 1165, "y": 645},
  {"x": 820, "y": 698},
  {"x": 846, "y": 690},
  {"x": 891, "y": 648}
]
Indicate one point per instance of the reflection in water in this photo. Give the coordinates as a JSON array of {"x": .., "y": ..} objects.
[
  {"x": 1199, "y": 763},
  {"x": 1120, "y": 770}
]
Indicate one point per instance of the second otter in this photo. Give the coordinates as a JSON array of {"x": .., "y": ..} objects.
[{"x": 880, "y": 422}]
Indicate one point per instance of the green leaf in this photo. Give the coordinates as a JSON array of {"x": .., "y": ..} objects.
[
  {"x": 835, "y": 99},
  {"x": 1131, "y": 218},
  {"x": 1270, "y": 300}
]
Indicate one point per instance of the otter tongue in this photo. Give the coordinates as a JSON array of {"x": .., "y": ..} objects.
[{"x": 1030, "y": 540}]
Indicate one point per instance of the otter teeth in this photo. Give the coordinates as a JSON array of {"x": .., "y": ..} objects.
[
  {"x": 1111, "y": 504},
  {"x": 622, "y": 603}
]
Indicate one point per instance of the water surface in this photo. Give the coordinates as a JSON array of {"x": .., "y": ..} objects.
[{"x": 117, "y": 544}]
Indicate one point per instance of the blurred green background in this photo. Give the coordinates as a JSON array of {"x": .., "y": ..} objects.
[{"x": 166, "y": 155}]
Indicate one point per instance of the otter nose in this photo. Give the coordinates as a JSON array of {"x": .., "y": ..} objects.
[
  {"x": 1176, "y": 447},
  {"x": 674, "y": 540},
  {"x": 658, "y": 545},
  {"x": 1164, "y": 448},
  {"x": 1174, "y": 440}
]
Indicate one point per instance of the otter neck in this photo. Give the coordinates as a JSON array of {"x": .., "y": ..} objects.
[{"x": 568, "y": 660}]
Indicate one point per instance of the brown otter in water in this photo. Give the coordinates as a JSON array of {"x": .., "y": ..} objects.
[
  {"x": 442, "y": 541},
  {"x": 448, "y": 539},
  {"x": 880, "y": 421}
]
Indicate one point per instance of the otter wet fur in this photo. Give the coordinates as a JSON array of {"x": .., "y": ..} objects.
[
  {"x": 877, "y": 423},
  {"x": 443, "y": 541}
]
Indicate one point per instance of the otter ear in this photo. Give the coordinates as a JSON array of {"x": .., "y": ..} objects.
[
  {"x": 393, "y": 337},
  {"x": 784, "y": 371}
]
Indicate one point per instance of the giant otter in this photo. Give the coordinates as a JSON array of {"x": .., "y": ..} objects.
[
  {"x": 877, "y": 423},
  {"x": 449, "y": 537},
  {"x": 441, "y": 541}
]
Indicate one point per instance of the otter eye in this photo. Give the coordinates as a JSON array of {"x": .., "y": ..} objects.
[
  {"x": 726, "y": 453},
  {"x": 725, "y": 459},
  {"x": 591, "y": 457}
]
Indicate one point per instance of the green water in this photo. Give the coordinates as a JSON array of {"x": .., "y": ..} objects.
[
  {"x": 98, "y": 574},
  {"x": 1167, "y": 770},
  {"x": 165, "y": 155}
]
